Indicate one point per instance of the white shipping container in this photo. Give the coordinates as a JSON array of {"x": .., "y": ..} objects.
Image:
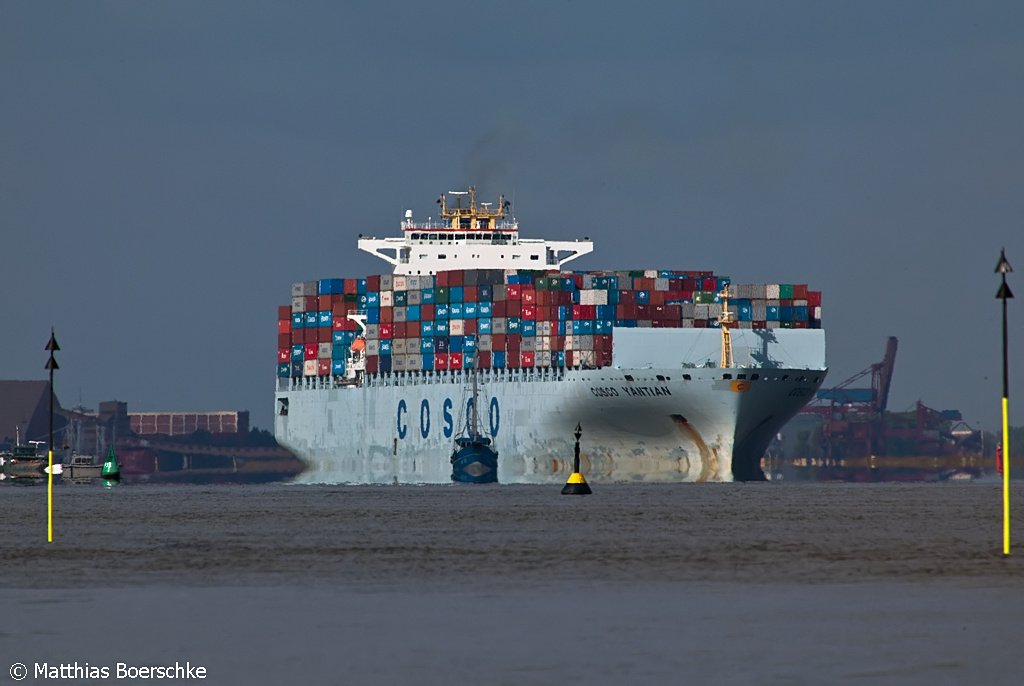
[
  {"x": 426, "y": 282},
  {"x": 457, "y": 327},
  {"x": 397, "y": 363},
  {"x": 650, "y": 273},
  {"x": 372, "y": 331},
  {"x": 700, "y": 311},
  {"x": 758, "y": 310},
  {"x": 324, "y": 351},
  {"x": 687, "y": 322},
  {"x": 387, "y": 299},
  {"x": 414, "y": 361},
  {"x": 799, "y": 303},
  {"x": 570, "y": 342},
  {"x": 373, "y": 347},
  {"x": 400, "y": 283},
  {"x": 387, "y": 282},
  {"x": 412, "y": 283},
  {"x": 399, "y": 314},
  {"x": 594, "y": 297},
  {"x": 661, "y": 284},
  {"x": 414, "y": 297},
  {"x": 528, "y": 344},
  {"x": 544, "y": 328},
  {"x": 772, "y": 292},
  {"x": 715, "y": 310},
  {"x": 309, "y": 368},
  {"x": 398, "y": 346},
  {"x": 498, "y": 325},
  {"x": 817, "y": 312},
  {"x": 545, "y": 359},
  {"x": 298, "y": 304},
  {"x": 484, "y": 344}
]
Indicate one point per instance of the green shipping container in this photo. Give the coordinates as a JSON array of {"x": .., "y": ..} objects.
[{"x": 785, "y": 291}]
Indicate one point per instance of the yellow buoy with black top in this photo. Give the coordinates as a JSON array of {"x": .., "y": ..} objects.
[{"x": 576, "y": 485}]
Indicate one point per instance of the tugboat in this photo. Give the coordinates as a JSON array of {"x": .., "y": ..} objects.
[
  {"x": 22, "y": 462},
  {"x": 474, "y": 460}
]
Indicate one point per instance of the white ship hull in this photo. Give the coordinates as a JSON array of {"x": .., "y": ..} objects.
[{"x": 639, "y": 424}]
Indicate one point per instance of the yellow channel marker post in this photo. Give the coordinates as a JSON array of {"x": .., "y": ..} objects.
[
  {"x": 51, "y": 365},
  {"x": 1005, "y": 294}
]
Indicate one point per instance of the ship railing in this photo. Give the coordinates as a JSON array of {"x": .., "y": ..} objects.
[{"x": 427, "y": 377}]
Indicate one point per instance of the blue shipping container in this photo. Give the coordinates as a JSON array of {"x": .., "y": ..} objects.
[
  {"x": 385, "y": 347},
  {"x": 529, "y": 327},
  {"x": 483, "y": 325},
  {"x": 428, "y": 361},
  {"x": 441, "y": 311},
  {"x": 512, "y": 325},
  {"x": 455, "y": 311},
  {"x": 498, "y": 359},
  {"x": 284, "y": 369},
  {"x": 326, "y": 318},
  {"x": 373, "y": 315},
  {"x": 427, "y": 296},
  {"x": 312, "y": 319},
  {"x": 298, "y": 351},
  {"x": 441, "y": 328},
  {"x": 469, "y": 310},
  {"x": 455, "y": 294},
  {"x": 412, "y": 313},
  {"x": 384, "y": 363},
  {"x": 298, "y": 320},
  {"x": 455, "y": 344},
  {"x": 426, "y": 328},
  {"x": 338, "y": 367}
]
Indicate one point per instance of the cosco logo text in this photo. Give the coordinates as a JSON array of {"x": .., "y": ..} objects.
[{"x": 422, "y": 424}]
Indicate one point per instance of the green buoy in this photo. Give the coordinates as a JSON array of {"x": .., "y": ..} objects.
[{"x": 111, "y": 471}]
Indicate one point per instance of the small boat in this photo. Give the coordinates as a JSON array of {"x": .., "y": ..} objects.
[
  {"x": 82, "y": 468},
  {"x": 22, "y": 462},
  {"x": 474, "y": 459}
]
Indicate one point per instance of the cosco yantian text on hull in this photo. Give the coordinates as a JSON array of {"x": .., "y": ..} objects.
[{"x": 673, "y": 375}]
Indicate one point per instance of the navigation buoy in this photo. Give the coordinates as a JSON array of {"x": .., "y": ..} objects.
[
  {"x": 576, "y": 485},
  {"x": 111, "y": 471}
]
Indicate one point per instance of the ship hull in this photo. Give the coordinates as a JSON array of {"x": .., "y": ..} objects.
[{"x": 639, "y": 425}]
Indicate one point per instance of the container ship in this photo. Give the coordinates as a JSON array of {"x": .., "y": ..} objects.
[{"x": 674, "y": 375}]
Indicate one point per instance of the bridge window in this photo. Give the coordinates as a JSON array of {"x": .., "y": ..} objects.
[
  {"x": 534, "y": 257},
  {"x": 627, "y": 377},
  {"x": 686, "y": 377},
  {"x": 432, "y": 236},
  {"x": 741, "y": 376},
  {"x": 441, "y": 256},
  {"x": 726, "y": 376},
  {"x": 755, "y": 377}
]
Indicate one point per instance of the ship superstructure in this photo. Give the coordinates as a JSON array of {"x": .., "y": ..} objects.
[{"x": 675, "y": 375}]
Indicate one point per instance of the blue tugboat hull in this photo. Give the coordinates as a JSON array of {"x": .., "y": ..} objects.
[{"x": 475, "y": 462}]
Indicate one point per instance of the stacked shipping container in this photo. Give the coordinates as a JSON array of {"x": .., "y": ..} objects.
[{"x": 512, "y": 319}]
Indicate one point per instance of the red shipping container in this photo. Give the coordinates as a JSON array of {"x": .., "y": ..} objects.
[
  {"x": 513, "y": 292},
  {"x": 387, "y": 315},
  {"x": 371, "y": 364},
  {"x": 484, "y": 357},
  {"x": 351, "y": 287},
  {"x": 323, "y": 367},
  {"x": 440, "y": 280},
  {"x": 401, "y": 329},
  {"x": 577, "y": 312},
  {"x": 470, "y": 327},
  {"x": 814, "y": 298},
  {"x": 310, "y": 351},
  {"x": 513, "y": 308},
  {"x": 312, "y": 303},
  {"x": 324, "y": 302},
  {"x": 387, "y": 331},
  {"x": 657, "y": 297},
  {"x": 499, "y": 309},
  {"x": 513, "y": 341},
  {"x": 527, "y": 359},
  {"x": 512, "y": 360},
  {"x": 284, "y": 354},
  {"x": 799, "y": 324},
  {"x": 700, "y": 323},
  {"x": 627, "y": 297},
  {"x": 284, "y": 340},
  {"x": 455, "y": 360},
  {"x": 644, "y": 312},
  {"x": 498, "y": 341},
  {"x": 529, "y": 295},
  {"x": 441, "y": 361},
  {"x": 759, "y": 324},
  {"x": 469, "y": 294},
  {"x": 426, "y": 313},
  {"x": 543, "y": 298},
  {"x": 455, "y": 278},
  {"x": 373, "y": 284},
  {"x": 284, "y": 326},
  {"x": 284, "y": 312},
  {"x": 786, "y": 302},
  {"x": 800, "y": 291},
  {"x": 529, "y": 311}
]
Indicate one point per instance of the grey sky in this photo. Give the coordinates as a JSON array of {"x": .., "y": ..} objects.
[{"x": 168, "y": 169}]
